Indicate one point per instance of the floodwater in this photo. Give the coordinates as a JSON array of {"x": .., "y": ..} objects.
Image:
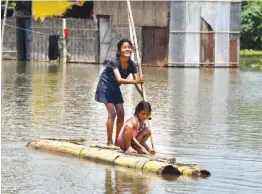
[{"x": 210, "y": 117}]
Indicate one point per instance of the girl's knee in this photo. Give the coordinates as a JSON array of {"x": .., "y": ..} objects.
[
  {"x": 112, "y": 114},
  {"x": 128, "y": 131},
  {"x": 147, "y": 131},
  {"x": 121, "y": 114}
]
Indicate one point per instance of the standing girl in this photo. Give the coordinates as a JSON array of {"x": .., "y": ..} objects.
[
  {"x": 108, "y": 89},
  {"x": 133, "y": 135}
]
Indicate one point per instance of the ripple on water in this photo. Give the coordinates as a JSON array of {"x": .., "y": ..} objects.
[{"x": 207, "y": 117}]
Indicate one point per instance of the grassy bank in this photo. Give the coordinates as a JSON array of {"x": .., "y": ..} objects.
[{"x": 250, "y": 52}]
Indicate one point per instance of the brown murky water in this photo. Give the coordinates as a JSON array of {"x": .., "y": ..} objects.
[{"x": 211, "y": 117}]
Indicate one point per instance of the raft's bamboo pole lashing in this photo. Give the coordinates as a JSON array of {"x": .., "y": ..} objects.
[
  {"x": 105, "y": 154},
  {"x": 132, "y": 26}
]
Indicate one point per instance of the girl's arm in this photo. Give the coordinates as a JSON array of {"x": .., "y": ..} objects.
[
  {"x": 140, "y": 146},
  {"x": 144, "y": 127},
  {"x": 134, "y": 125},
  {"x": 137, "y": 143},
  {"x": 121, "y": 80},
  {"x": 138, "y": 86}
]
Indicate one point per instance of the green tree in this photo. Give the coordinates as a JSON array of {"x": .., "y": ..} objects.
[
  {"x": 251, "y": 25},
  {"x": 23, "y": 6}
]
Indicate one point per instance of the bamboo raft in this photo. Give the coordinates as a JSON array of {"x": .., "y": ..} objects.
[{"x": 113, "y": 155}]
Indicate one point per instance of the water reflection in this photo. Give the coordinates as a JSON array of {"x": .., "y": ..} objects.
[
  {"x": 22, "y": 67},
  {"x": 47, "y": 95},
  {"x": 122, "y": 180},
  {"x": 52, "y": 68},
  {"x": 22, "y": 83}
]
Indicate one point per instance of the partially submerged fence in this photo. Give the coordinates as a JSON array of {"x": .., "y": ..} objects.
[
  {"x": 82, "y": 44},
  {"x": 9, "y": 40}
]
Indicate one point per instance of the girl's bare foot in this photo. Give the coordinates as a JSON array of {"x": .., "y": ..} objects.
[
  {"x": 130, "y": 150},
  {"x": 110, "y": 143}
]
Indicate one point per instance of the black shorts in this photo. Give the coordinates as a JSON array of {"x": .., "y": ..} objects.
[{"x": 109, "y": 95}]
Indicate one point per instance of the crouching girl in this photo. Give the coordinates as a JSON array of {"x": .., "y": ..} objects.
[{"x": 134, "y": 133}]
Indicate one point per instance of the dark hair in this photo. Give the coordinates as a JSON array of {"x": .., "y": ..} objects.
[
  {"x": 142, "y": 106},
  {"x": 120, "y": 43}
]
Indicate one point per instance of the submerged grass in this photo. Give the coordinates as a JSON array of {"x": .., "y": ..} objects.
[{"x": 251, "y": 63}]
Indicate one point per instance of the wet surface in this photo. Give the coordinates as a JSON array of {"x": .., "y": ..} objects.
[{"x": 210, "y": 117}]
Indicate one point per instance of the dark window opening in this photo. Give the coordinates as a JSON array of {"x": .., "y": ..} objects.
[{"x": 9, "y": 11}]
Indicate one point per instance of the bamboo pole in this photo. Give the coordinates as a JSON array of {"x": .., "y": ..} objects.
[
  {"x": 117, "y": 157},
  {"x": 131, "y": 35},
  {"x": 131, "y": 21}
]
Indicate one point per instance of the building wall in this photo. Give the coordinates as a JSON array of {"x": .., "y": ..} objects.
[
  {"x": 222, "y": 33},
  {"x": 192, "y": 40},
  {"x": 118, "y": 33},
  {"x": 235, "y": 21},
  {"x": 145, "y": 13},
  {"x": 184, "y": 34},
  {"x": 177, "y": 34},
  {"x": 223, "y": 17}
]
